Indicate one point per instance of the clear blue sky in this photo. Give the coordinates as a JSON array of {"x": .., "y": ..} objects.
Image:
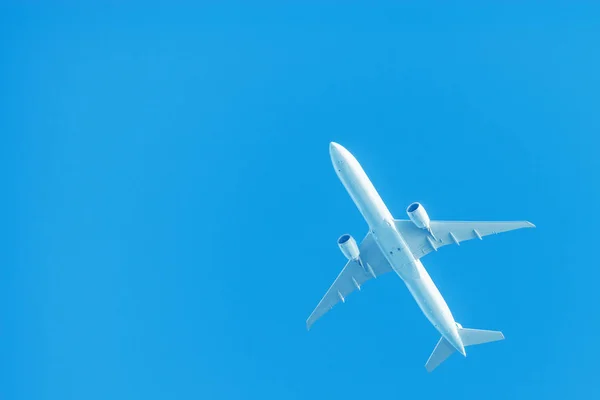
[{"x": 170, "y": 212}]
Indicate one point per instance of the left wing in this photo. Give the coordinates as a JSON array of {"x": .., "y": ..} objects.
[
  {"x": 421, "y": 242},
  {"x": 352, "y": 277}
]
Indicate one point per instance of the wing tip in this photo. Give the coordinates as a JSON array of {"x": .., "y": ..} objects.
[
  {"x": 309, "y": 324},
  {"x": 530, "y": 224}
]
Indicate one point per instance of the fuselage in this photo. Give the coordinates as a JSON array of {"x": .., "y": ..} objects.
[{"x": 390, "y": 241}]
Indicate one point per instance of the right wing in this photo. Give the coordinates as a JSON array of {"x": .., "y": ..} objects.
[
  {"x": 352, "y": 277},
  {"x": 421, "y": 242}
]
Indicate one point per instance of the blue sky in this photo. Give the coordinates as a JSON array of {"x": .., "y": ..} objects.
[{"x": 170, "y": 211}]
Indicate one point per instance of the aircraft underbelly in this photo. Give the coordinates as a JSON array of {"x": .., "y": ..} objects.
[
  {"x": 394, "y": 244},
  {"x": 417, "y": 280},
  {"x": 431, "y": 302},
  {"x": 395, "y": 250}
]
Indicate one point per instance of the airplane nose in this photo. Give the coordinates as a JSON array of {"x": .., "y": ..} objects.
[
  {"x": 334, "y": 148},
  {"x": 334, "y": 151}
]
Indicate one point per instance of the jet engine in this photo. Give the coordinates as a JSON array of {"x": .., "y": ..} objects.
[
  {"x": 348, "y": 247},
  {"x": 418, "y": 216}
]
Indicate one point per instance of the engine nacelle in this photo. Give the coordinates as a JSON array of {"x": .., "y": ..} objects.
[
  {"x": 348, "y": 247},
  {"x": 418, "y": 216}
]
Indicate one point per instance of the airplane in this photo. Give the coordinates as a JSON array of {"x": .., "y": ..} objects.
[{"x": 398, "y": 245}]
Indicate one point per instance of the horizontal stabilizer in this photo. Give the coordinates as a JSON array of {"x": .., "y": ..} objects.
[
  {"x": 468, "y": 337},
  {"x": 442, "y": 351},
  {"x": 471, "y": 337}
]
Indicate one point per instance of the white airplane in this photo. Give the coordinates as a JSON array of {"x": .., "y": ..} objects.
[{"x": 397, "y": 245}]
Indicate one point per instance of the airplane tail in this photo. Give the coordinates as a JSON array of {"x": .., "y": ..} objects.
[{"x": 469, "y": 337}]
